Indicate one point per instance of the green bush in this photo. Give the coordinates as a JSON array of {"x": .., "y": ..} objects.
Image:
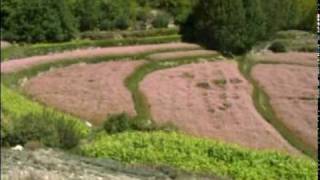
[
  {"x": 87, "y": 14},
  {"x": 49, "y": 128},
  {"x": 199, "y": 155},
  {"x": 118, "y": 123},
  {"x": 121, "y": 22},
  {"x": 215, "y": 27},
  {"x": 39, "y": 21},
  {"x": 30, "y": 118},
  {"x": 122, "y": 122},
  {"x": 277, "y": 47},
  {"x": 161, "y": 20}
]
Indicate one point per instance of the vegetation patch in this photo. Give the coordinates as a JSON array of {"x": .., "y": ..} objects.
[
  {"x": 198, "y": 155},
  {"x": 31, "y": 121}
]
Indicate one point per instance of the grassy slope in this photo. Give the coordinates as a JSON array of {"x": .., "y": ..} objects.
[{"x": 15, "y": 105}]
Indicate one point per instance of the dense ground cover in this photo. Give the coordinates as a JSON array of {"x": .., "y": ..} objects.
[{"x": 199, "y": 155}]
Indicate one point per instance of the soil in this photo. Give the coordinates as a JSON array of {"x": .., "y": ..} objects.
[
  {"x": 89, "y": 91},
  {"x": 293, "y": 93},
  {"x": 20, "y": 64},
  {"x": 53, "y": 164},
  {"x": 303, "y": 58},
  {"x": 181, "y": 54},
  {"x": 211, "y": 99}
]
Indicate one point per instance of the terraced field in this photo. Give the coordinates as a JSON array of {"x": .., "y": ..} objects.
[
  {"x": 210, "y": 100},
  {"x": 197, "y": 90},
  {"x": 90, "y": 91},
  {"x": 293, "y": 95}
]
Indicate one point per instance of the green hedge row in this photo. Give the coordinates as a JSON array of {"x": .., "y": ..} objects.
[
  {"x": 96, "y": 35},
  {"x": 40, "y": 49}
]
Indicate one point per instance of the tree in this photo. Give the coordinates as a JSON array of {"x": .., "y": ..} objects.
[
  {"x": 40, "y": 20},
  {"x": 87, "y": 13},
  {"x": 221, "y": 25}
]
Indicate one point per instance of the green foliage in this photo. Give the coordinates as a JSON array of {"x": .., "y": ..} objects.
[
  {"x": 95, "y": 35},
  {"x": 121, "y": 22},
  {"x": 217, "y": 28},
  {"x": 179, "y": 9},
  {"x": 38, "y": 21},
  {"x": 161, "y": 20},
  {"x": 199, "y": 155},
  {"x": 49, "y": 128},
  {"x": 17, "y": 106},
  {"x": 277, "y": 47},
  {"x": 117, "y": 123},
  {"x": 87, "y": 14}
]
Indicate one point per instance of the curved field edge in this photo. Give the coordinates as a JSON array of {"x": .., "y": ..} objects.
[
  {"x": 132, "y": 82},
  {"x": 14, "y": 52},
  {"x": 11, "y": 78},
  {"x": 262, "y": 104},
  {"x": 198, "y": 155}
]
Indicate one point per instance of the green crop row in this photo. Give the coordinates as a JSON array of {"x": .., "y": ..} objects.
[
  {"x": 96, "y": 35},
  {"x": 40, "y": 49},
  {"x": 199, "y": 155}
]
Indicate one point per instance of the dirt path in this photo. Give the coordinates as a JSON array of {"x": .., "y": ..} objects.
[
  {"x": 20, "y": 64},
  {"x": 211, "y": 100},
  {"x": 89, "y": 91}
]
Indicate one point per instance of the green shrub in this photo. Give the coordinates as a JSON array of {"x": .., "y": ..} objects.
[
  {"x": 199, "y": 155},
  {"x": 29, "y": 121},
  {"x": 39, "y": 21},
  {"x": 161, "y": 20},
  {"x": 122, "y": 122},
  {"x": 121, "y": 22},
  {"x": 87, "y": 14},
  {"x": 277, "y": 47},
  {"x": 68, "y": 133},
  {"x": 106, "y": 24},
  {"x": 118, "y": 123},
  {"x": 49, "y": 128}
]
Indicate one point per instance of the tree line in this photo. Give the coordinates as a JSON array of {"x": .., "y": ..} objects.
[
  {"x": 226, "y": 25},
  {"x": 61, "y": 20},
  {"x": 234, "y": 26}
]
